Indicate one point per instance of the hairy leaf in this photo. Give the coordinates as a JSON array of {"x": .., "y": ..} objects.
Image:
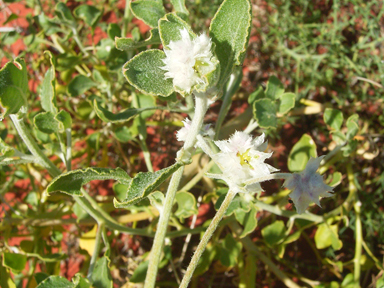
[
  {"x": 230, "y": 30},
  {"x": 144, "y": 73},
  {"x": 123, "y": 116},
  {"x": 127, "y": 44},
  {"x": 72, "y": 181},
  {"x": 144, "y": 183},
  {"x": 148, "y": 10},
  {"x": 13, "y": 86}
]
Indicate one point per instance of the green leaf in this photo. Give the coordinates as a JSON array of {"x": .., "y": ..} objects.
[
  {"x": 274, "y": 233},
  {"x": 48, "y": 25},
  {"x": 146, "y": 102},
  {"x": 47, "y": 123},
  {"x": 56, "y": 282},
  {"x": 124, "y": 116},
  {"x": 292, "y": 237},
  {"x": 140, "y": 273},
  {"x": 144, "y": 183},
  {"x": 327, "y": 235},
  {"x": 157, "y": 200},
  {"x": 48, "y": 91},
  {"x": 6, "y": 280},
  {"x": 80, "y": 282},
  {"x": 380, "y": 282},
  {"x": 206, "y": 259},
  {"x": 13, "y": 86},
  {"x": 120, "y": 190},
  {"x": 256, "y": 95},
  {"x": 333, "y": 118},
  {"x": 101, "y": 276},
  {"x": 128, "y": 44},
  {"x": 11, "y": 18},
  {"x": 230, "y": 250},
  {"x": 274, "y": 88},
  {"x": 5, "y": 149},
  {"x": 105, "y": 48},
  {"x": 15, "y": 262},
  {"x": 66, "y": 62},
  {"x": 72, "y": 181},
  {"x": 336, "y": 179},
  {"x": 79, "y": 85},
  {"x": 123, "y": 134},
  {"x": 113, "y": 31},
  {"x": 144, "y": 73},
  {"x": 40, "y": 277},
  {"x": 169, "y": 29},
  {"x": 186, "y": 205},
  {"x": 89, "y": 14},
  {"x": 64, "y": 14},
  {"x": 264, "y": 111},
  {"x": 148, "y": 11},
  {"x": 238, "y": 203},
  {"x": 230, "y": 30},
  {"x": 353, "y": 126},
  {"x": 304, "y": 149},
  {"x": 179, "y": 6},
  {"x": 287, "y": 102},
  {"x": 65, "y": 118},
  {"x": 247, "y": 219},
  {"x": 79, "y": 212}
]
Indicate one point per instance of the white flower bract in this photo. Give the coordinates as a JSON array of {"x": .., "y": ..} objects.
[
  {"x": 182, "y": 134},
  {"x": 183, "y": 57},
  {"x": 242, "y": 158},
  {"x": 307, "y": 186}
]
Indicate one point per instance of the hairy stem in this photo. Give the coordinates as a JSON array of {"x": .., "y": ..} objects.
[
  {"x": 206, "y": 237},
  {"x": 154, "y": 260}
]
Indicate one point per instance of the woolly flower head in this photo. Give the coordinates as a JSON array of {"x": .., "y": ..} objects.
[
  {"x": 242, "y": 158},
  {"x": 182, "y": 134},
  {"x": 188, "y": 61},
  {"x": 307, "y": 186}
]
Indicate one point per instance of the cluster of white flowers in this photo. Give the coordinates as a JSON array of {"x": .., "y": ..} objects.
[
  {"x": 242, "y": 159},
  {"x": 307, "y": 186},
  {"x": 183, "y": 58}
]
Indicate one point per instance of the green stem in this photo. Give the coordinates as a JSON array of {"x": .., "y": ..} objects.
[
  {"x": 154, "y": 260},
  {"x": 358, "y": 230},
  {"x": 142, "y": 134},
  {"x": 96, "y": 250},
  {"x": 158, "y": 242},
  {"x": 127, "y": 11},
  {"x": 230, "y": 89},
  {"x": 76, "y": 37},
  {"x": 358, "y": 247},
  {"x": 69, "y": 149},
  {"x": 277, "y": 211},
  {"x": 32, "y": 145},
  {"x": 206, "y": 237}
]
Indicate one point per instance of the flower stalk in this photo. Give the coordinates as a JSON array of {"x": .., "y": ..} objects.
[{"x": 206, "y": 237}]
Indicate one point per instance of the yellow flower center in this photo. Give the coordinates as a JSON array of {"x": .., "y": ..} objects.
[{"x": 245, "y": 159}]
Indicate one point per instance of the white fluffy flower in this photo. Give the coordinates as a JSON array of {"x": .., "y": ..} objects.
[
  {"x": 182, "y": 134},
  {"x": 187, "y": 59},
  {"x": 307, "y": 186},
  {"x": 242, "y": 158}
]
